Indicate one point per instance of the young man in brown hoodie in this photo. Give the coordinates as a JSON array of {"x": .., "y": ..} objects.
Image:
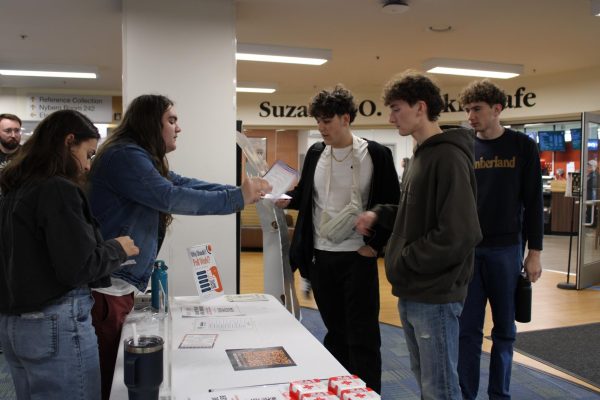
[{"x": 429, "y": 257}]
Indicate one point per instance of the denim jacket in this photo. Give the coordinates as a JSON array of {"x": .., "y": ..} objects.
[{"x": 127, "y": 193}]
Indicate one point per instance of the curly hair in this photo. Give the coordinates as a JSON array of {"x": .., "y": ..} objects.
[
  {"x": 328, "y": 103},
  {"x": 411, "y": 87},
  {"x": 483, "y": 90}
]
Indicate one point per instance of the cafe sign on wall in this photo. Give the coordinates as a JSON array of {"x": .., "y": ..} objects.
[
  {"x": 368, "y": 108},
  {"x": 96, "y": 108}
]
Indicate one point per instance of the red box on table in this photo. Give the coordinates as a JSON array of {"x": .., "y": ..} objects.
[
  {"x": 319, "y": 396},
  {"x": 359, "y": 394},
  {"x": 298, "y": 388},
  {"x": 339, "y": 383}
]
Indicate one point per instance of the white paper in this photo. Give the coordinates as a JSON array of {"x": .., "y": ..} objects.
[
  {"x": 224, "y": 324},
  {"x": 210, "y": 311},
  {"x": 269, "y": 196},
  {"x": 281, "y": 177},
  {"x": 267, "y": 392},
  {"x": 198, "y": 341},
  {"x": 246, "y": 297}
]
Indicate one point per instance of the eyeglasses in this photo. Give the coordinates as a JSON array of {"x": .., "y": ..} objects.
[{"x": 8, "y": 131}]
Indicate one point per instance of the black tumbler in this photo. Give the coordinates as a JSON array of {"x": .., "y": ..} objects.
[
  {"x": 523, "y": 300},
  {"x": 143, "y": 367}
]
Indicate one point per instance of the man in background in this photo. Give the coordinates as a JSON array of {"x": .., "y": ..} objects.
[
  {"x": 510, "y": 204},
  {"x": 10, "y": 137},
  {"x": 10, "y": 140}
]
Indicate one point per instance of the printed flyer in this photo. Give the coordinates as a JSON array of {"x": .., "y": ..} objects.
[
  {"x": 266, "y": 392},
  {"x": 206, "y": 273}
]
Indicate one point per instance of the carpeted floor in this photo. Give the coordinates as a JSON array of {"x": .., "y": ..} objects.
[
  {"x": 398, "y": 383},
  {"x": 574, "y": 350}
]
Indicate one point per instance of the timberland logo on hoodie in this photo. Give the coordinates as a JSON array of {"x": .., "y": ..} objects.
[{"x": 495, "y": 163}]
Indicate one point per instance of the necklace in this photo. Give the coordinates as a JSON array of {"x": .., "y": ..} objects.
[{"x": 346, "y": 156}]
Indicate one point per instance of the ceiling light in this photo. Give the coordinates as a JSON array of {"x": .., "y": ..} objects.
[
  {"x": 473, "y": 68},
  {"x": 395, "y": 6},
  {"x": 49, "y": 71},
  {"x": 48, "y": 74},
  {"x": 595, "y": 7},
  {"x": 282, "y": 54},
  {"x": 251, "y": 87}
]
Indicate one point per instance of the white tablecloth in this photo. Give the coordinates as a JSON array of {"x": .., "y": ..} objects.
[{"x": 196, "y": 373}]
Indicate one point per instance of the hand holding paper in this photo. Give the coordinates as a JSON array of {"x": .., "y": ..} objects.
[{"x": 253, "y": 189}]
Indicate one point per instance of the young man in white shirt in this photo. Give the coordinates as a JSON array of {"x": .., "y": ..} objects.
[{"x": 341, "y": 176}]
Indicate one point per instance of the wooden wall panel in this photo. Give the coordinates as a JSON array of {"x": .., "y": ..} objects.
[{"x": 282, "y": 145}]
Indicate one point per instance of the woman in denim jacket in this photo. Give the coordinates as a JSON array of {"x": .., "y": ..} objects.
[
  {"x": 133, "y": 192},
  {"x": 51, "y": 253}
]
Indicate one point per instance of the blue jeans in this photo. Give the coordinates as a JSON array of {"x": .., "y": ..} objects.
[
  {"x": 53, "y": 353},
  {"x": 495, "y": 278},
  {"x": 431, "y": 332}
]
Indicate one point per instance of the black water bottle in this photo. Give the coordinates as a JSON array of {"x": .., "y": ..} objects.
[{"x": 523, "y": 299}]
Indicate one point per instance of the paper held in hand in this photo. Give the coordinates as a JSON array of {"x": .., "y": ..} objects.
[
  {"x": 281, "y": 176},
  {"x": 206, "y": 273}
]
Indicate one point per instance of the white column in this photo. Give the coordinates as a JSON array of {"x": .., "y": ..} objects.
[{"x": 185, "y": 49}]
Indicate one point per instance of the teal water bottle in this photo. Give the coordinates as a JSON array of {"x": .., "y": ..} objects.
[{"x": 158, "y": 280}]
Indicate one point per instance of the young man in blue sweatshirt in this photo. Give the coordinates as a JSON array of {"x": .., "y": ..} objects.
[{"x": 509, "y": 203}]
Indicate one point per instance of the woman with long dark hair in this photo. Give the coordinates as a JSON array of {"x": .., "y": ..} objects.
[
  {"x": 133, "y": 192},
  {"x": 51, "y": 253}
]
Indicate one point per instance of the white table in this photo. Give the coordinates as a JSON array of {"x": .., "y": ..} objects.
[{"x": 196, "y": 373}]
